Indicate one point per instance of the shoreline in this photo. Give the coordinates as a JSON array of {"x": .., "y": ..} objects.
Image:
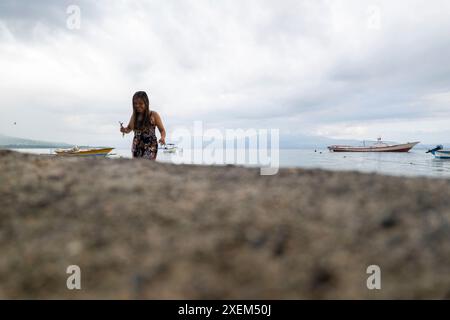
[
  {"x": 142, "y": 229},
  {"x": 412, "y": 164}
]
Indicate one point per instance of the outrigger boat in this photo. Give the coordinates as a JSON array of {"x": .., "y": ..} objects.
[
  {"x": 169, "y": 148},
  {"x": 439, "y": 153},
  {"x": 77, "y": 152},
  {"x": 379, "y": 146}
]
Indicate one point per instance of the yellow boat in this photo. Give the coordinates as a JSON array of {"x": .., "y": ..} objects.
[{"x": 77, "y": 152}]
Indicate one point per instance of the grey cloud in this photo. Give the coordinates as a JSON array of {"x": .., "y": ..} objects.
[
  {"x": 22, "y": 16},
  {"x": 254, "y": 62}
]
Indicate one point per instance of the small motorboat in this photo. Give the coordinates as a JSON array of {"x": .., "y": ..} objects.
[
  {"x": 379, "y": 146},
  {"x": 77, "y": 152},
  {"x": 439, "y": 153}
]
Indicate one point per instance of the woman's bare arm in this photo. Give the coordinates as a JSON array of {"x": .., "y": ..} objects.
[{"x": 160, "y": 125}]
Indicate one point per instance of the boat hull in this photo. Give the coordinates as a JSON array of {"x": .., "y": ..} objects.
[
  {"x": 406, "y": 147},
  {"x": 103, "y": 152},
  {"x": 441, "y": 154}
]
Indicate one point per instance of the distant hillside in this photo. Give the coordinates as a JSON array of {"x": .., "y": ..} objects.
[
  {"x": 309, "y": 141},
  {"x": 286, "y": 142},
  {"x": 304, "y": 141},
  {"x": 7, "y": 142}
]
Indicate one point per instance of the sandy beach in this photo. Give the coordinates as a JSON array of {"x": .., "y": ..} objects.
[{"x": 140, "y": 229}]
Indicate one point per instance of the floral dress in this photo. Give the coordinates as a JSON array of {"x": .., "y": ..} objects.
[{"x": 145, "y": 143}]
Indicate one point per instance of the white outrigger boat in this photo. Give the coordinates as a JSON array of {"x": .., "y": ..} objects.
[
  {"x": 169, "y": 148},
  {"x": 439, "y": 152},
  {"x": 379, "y": 146},
  {"x": 77, "y": 152}
]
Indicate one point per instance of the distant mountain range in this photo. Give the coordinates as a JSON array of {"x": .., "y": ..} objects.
[
  {"x": 296, "y": 141},
  {"x": 7, "y": 142}
]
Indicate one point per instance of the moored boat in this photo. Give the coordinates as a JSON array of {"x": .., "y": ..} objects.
[
  {"x": 442, "y": 154},
  {"x": 439, "y": 153},
  {"x": 379, "y": 146},
  {"x": 77, "y": 152},
  {"x": 169, "y": 148}
]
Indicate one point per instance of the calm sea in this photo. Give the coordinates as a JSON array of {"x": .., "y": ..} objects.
[{"x": 413, "y": 163}]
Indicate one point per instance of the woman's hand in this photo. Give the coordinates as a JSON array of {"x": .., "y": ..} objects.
[
  {"x": 161, "y": 129},
  {"x": 122, "y": 129}
]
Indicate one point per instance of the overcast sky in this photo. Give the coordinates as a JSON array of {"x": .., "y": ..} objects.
[{"x": 343, "y": 69}]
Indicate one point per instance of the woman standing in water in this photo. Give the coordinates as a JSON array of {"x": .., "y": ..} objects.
[{"x": 144, "y": 122}]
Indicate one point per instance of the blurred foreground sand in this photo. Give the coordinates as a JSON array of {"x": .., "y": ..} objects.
[{"x": 140, "y": 229}]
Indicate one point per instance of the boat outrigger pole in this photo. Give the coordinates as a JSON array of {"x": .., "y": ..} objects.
[
  {"x": 437, "y": 148},
  {"x": 121, "y": 126}
]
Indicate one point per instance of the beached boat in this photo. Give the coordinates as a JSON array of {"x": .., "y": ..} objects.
[
  {"x": 77, "y": 152},
  {"x": 379, "y": 146},
  {"x": 439, "y": 153}
]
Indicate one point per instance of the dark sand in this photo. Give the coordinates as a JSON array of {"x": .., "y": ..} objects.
[{"x": 140, "y": 229}]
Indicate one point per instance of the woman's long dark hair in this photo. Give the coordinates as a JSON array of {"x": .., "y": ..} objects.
[{"x": 145, "y": 123}]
